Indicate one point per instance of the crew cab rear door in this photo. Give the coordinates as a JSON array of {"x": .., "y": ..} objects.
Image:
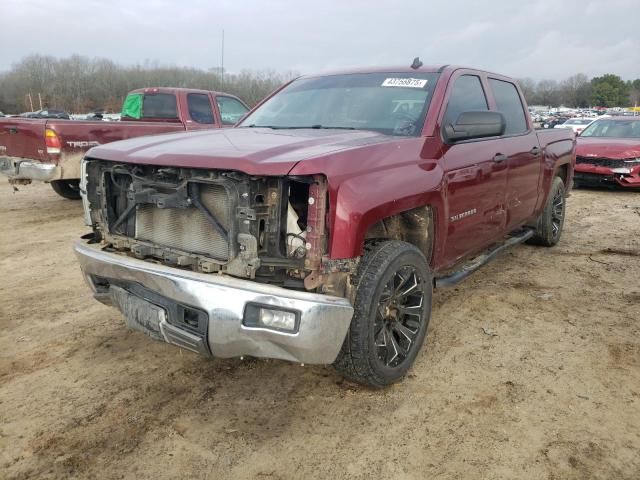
[
  {"x": 521, "y": 146},
  {"x": 475, "y": 174}
]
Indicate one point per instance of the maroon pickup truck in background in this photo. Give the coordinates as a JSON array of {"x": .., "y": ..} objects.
[
  {"x": 315, "y": 230},
  {"x": 51, "y": 150}
]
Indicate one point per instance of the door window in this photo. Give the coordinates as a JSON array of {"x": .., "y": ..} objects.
[
  {"x": 467, "y": 94},
  {"x": 231, "y": 110},
  {"x": 200, "y": 109},
  {"x": 509, "y": 104}
]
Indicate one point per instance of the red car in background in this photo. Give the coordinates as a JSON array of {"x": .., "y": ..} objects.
[{"x": 608, "y": 153}]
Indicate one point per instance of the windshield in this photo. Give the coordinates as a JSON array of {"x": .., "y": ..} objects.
[
  {"x": 613, "y": 128},
  {"x": 389, "y": 103}
]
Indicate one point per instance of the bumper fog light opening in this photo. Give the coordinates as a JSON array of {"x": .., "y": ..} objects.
[{"x": 271, "y": 318}]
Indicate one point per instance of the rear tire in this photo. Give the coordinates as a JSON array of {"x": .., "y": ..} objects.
[
  {"x": 551, "y": 220},
  {"x": 69, "y": 189},
  {"x": 392, "y": 309}
]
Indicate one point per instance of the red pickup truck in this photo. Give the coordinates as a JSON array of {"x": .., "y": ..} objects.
[
  {"x": 315, "y": 229},
  {"x": 51, "y": 150}
]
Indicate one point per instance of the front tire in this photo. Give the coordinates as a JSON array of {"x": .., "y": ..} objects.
[
  {"x": 69, "y": 189},
  {"x": 551, "y": 220},
  {"x": 392, "y": 309}
]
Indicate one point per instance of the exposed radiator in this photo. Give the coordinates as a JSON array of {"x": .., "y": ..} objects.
[{"x": 188, "y": 229}]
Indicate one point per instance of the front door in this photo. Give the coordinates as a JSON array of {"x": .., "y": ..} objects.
[{"x": 475, "y": 178}]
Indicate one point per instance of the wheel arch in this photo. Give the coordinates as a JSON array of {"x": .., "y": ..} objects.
[
  {"x": 415, "y": 226},
  {"x": 357, "y": 204},
  {"x": 562, "y": 171}
]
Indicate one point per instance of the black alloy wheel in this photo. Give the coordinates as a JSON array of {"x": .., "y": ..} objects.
[
  {"x": 550, "y": 223},
  {"x": 399, "y": 316},
  {"x": 392, "y": 306},
  {"x": 557, "y": 213}
]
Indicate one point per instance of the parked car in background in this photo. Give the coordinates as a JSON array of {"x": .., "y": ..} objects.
[
  {"x": 576, "y": 124},
  {"x": 625, "y": 113},
  {"x": 50, "y": 150},
  {"x": 95, "y": 115},
  {"x": 98, "y": 115},
  {"x": 48, "y": 113},
  {"x": 315, "y": 229},
  {"x": 552, "y": 121},
  {"x": 608, "y": 153}
]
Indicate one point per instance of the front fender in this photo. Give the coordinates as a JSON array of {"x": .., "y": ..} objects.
[
  {"x": 557, "y": 155},
  {"x": 361, "y": 201}
]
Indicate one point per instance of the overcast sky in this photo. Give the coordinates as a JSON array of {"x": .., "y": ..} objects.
[{"x": 522, "y": 38}]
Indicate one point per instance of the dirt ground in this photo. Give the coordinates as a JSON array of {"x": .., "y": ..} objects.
[{"x": 531, "y": 369}]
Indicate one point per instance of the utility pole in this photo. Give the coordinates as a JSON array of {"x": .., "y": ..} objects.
[{"x": 222, "y": 62}]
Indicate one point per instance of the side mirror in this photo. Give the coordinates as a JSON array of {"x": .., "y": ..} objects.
[{"x": 478, "y": 124}]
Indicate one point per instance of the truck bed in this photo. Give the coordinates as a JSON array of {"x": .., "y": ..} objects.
[
  {"x": 50, "y": 150},
  {"x": 25, "y": 137}
]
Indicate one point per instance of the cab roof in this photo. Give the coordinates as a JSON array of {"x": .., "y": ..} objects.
[
  {"x": 403, "y": 69},
  {"x": 175, "y": 90}
]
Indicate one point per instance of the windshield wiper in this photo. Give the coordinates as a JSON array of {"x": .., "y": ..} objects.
[
  {"x": 326, "y": 127},
  {"x": 272, "y": 127}
]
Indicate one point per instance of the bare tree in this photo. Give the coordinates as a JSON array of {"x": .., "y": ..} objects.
[
  {"x": 79, "y": 84},
  {"x": 575, "y": 91}
]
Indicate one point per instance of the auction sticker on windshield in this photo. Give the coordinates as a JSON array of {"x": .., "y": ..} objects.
[{"x": 404, "y": 82}]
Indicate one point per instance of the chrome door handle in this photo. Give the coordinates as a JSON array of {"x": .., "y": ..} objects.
[{"x": 500, "y": 157}]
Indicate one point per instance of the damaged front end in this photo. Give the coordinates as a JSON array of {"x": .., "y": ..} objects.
[
  {"x": 217, "y": 262},
  {"x": 268, "y": 229},
  {"x": 603, "y": 171}
]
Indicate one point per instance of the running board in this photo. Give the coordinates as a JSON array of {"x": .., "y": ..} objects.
[{"x": 477, "y": 262}]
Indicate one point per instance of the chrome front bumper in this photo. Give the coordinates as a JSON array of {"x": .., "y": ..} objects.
[
  {"x": 22, "y": 169},
  {"x": 324, "y": 320}
]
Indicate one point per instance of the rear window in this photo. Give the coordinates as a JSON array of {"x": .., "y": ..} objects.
[
  {"x": 160, "y": 105},
  {"x": 509, "y": 104}
]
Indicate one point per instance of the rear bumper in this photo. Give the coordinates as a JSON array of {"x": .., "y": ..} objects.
[
  {"x": 323, "y": 320},
  {"x": 594, "y": 175},
  {"x": 67, "y": 167},
  {"x": 24, "y": 169}
]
